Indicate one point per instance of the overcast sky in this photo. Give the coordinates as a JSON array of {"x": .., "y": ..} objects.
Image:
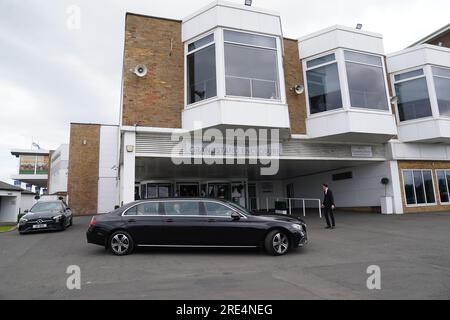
[{"x": 51, "y": 75}]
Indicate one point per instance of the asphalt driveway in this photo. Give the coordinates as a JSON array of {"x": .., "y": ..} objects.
[{"x": 413, "y": 252}]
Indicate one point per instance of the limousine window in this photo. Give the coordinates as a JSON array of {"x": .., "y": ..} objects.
[
  {"x": 182, "y": 208},
  {"x": 144, "y": 209},
  {"x": 217, "y": 210}
]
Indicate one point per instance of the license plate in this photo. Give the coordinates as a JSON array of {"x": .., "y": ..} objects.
[{"x": 39, "y": 226}]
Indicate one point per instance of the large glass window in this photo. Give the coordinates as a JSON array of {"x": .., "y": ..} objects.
[
  {"x": 413, "y": 99},
  {"x": 182, "y": 208},
  {"x": 444, "y": 183},
  {"x": 442, "y": 84},
  {"x": 419, "y": 187},
  {"x": 251, "y": 66},
  {"x": 366, "y": 81},
  {"x": 201, "y": 70},
  {"x": 324, "y": 90},
  {"x": 217, "y": 210}
]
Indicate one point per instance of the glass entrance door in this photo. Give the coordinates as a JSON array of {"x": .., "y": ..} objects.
[
  {"x": 187, "y": 190},
  {"x": 158, "y": 190},
  {"x": 219, "y": 191}
]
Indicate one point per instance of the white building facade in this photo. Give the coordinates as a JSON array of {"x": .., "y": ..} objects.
[{"x": 336, "y": 109}]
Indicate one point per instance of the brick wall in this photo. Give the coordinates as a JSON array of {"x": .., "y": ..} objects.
[
  {"x": 157, "y": 99},
  {"x": 83, "y": 168},
  {"x": 433, "y": 165},
  {"x": 444, "y": 38},
  {"x": 293, "y": 73}
]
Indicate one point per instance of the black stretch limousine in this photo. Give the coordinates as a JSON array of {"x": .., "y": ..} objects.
[{"x": 194, "y": 223}]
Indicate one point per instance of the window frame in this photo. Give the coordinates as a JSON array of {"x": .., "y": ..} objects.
[
  {"x": 445, "y": 171},
  {"x": 343, "y": 81},
  {"x": 281, "y": 85},
  {"x": 431, "y": 93},
  {"x": 417, "y": 205},
  {"x": 187, "y": 53},
  {"x": 434, "y": 98},
  {"x": 219, "y": 36}
]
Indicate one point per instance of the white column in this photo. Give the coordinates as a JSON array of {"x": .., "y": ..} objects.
[
  {"x": 396, "y": 187},
  {"x": 128, "y": 167}
]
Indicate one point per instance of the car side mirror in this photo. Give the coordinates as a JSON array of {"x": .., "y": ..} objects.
[
  {"x": 236, "y": 216},
  {"x": 26, "y": 211}
]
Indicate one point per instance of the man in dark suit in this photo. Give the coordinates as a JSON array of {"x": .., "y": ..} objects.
[{"x": 328, "y": 206}]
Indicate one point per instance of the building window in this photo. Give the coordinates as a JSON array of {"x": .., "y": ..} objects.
[
  {"x": 324, "y": 89},
  {"x": 201, "y": 70},
  {"x": 342, "y": 176},
  {"x": 419, "y": 187},
  {"x": 442, "y": 84},
  {"x": 366, "y": 81},
  {"x": 251, "y": 66},
  {"x": 412, "y": 92},
  {"x": 443, "y": 177}
]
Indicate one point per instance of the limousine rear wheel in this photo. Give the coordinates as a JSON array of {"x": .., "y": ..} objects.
[
  {"x": 121, "y": 243},
  {"x": 277, "y": 243}
]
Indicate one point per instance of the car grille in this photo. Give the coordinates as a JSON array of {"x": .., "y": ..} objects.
[{"x": 41, "y": 221}]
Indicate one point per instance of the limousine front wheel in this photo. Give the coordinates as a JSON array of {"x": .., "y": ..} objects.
[
  {"x": 277, "y": 243},
  {"x": 121, "y": 243}
]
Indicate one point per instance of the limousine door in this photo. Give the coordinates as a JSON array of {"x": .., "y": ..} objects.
[
  {"x": 145, "y": 224},
  {"x": 223, "y": 230}
]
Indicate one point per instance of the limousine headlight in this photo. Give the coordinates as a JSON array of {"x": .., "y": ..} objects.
[{"x": 297, "y": 227}]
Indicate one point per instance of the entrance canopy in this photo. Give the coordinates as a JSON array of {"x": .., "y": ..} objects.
[{"x": 164, "y": 168}]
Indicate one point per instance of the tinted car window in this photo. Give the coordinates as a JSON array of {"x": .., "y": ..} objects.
[
  {"x": 47, "y": 207},
  {"x": 217, "y": 210},
  {"x": 182, "y": 208},
  {"x": 144, "y": 209}
]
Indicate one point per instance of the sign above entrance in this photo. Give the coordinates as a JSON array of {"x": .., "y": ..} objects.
[{"x": 362, "y": 152}]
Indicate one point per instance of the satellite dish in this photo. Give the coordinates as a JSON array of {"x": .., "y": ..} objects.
[{"x": 141, "y": 70}]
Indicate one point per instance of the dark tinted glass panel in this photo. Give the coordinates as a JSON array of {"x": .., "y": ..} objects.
[
  {"x": 363, "y": 58},
  {"x": 419, "y": 186},
  {"x": 408, "y": 75},
  {"x": 429, "y": 187},
  {"x": 443, "y": 187},
  {"x": 188, "y": 208},
  {"x": 200, "y": 43},
  {"x": 367, "y": 86},
  {"x": 443, "y": 95},
  {"x": 251, "y": 72},
  {"x": 409, "y": 187},
  {"x": 413, "y": 99},
  {"x": 217, "y": 210},
  {"x": 250, "y": 39},
  {"x": 202, "y": 75},
  {"x": 324, "y": 89},
  {"x": 343, "y": 176},
  {"x": 147, "y": 209},
  {"x": 322, "y": 60}
]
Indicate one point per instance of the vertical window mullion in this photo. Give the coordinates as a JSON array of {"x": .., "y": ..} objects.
[
  {"x": 424, "y": 187},
  {"x": 414, "y": 187},
  {"x": 446, "y": 183}
]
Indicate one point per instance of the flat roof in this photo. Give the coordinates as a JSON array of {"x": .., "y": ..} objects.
[
  {"x": 19, "y": 152},
  {"x": 432, "y": 36},
  {"x": 9, "y": 187}
]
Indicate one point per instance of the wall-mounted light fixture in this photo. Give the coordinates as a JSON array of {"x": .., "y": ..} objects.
[
  {"x": 130, "y": 148},
  {"x": 248, "y": 3},
  {"x": 84, "y": 142},
  {"x": 359, "y": 26}
]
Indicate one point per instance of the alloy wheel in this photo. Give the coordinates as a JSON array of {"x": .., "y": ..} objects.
[
  {"x": 120, "y": 243},
  {"x": 280, "y": 243}
]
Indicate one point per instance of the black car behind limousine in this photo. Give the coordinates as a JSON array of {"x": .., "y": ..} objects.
[{"x": 194, "y": 223}]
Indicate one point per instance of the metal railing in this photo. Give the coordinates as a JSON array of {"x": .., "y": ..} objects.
[{"x": 290, "y": 204}]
